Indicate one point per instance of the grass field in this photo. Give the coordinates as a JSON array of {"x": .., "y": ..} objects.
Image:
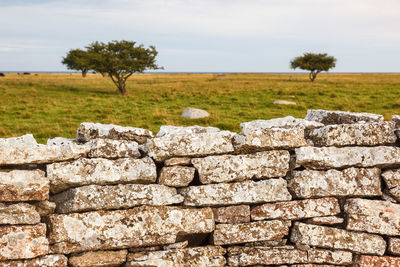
[{"x": 50, "y": 105}]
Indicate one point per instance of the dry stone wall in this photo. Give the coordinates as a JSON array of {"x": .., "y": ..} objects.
[{"x": 319, "y": 191}]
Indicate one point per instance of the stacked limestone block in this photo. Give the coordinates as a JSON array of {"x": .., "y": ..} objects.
[{"x": 319, "y": 191}]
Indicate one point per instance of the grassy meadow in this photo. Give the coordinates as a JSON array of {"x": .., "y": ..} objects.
[{"x": 49, "y": 105}]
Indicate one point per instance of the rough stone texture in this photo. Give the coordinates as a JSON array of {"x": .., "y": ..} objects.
[
  {"x": 99, "y": 259},
  {"x": 329, "y": 237},
  {"x": 20, "y": 141},
  {"x": 283, "y": 102},
  {"x": 197, "y": 256},
  {"x": 295, "y": 210},
  {"x": 57, "y": 260},
  {"x": 167, "y": 130},
  {"x": 111, "y": 149},
  {"x": 228, "y": 168},
  {"x": 286, "y": 122},
  {"x": 177, "y": 245},
  {"x": 23, "y": 185},
  {"x": 341, "y": 117},
  {"x": 194, "y": 113},
  {"x": 396, "y": 120},
  {"x": 23, "y": 242},
  {"x": 348, "y": 182},
  {"x": 366, "y": 134},
  {"x": 20, "y": 213},
  {"x": 101, "y": 172},
  {"x": 190, "y": 145},
  {"x": 343, "y": 157},
  {"x": 176, "y": 176},
  {"x": 394, "y": 246},
  {"x": 246, "y": 192},
  {"x": 88, "y": 131},
  {"x": 232, "y": 214},
  {"x": 392, "y": 180},
  {"x": 45, "y": 207},
  {"x": 177, "y": 161},
  {"x": 327, "y": 220},
  {"x": 226, "y": 234},
  {"x": 373, "y": 216},
  {"x": 268, "y": 243},
  {"x": 141, "y": 226},
  {"x": 375, "y": 261},
  {"x": 107, "y": 197},
  {"x": 267, "y": 139},
  {"x": 60, "y": 141}
]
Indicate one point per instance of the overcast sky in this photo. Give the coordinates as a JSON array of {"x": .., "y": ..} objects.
[{"x": 206, "y": 35}]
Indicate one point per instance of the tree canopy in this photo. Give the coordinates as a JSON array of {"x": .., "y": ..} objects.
[
  {"x": 315, "y": 63},
  {"x": 77, "y": 59}
]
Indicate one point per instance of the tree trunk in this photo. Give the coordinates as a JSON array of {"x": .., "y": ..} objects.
[
  {"x": 84, "y": 74},
  {"x": 121, "y": 86}
]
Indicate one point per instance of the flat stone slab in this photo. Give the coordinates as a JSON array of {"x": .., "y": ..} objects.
[
  {"x": 168, "y": 130},
  {"x": 334, "y": 238},
  {"x": 375, "y": 261},
  {"x": 226, "y": 234},
  {"x": 296, "y": 210},
  {"x": 108, "y": 197},
  {"x": 137, "y": 227},
  {"x": 228, "y": 168},
  {"x": 99, "y": 258},
  {"x": 42, "y": 261},
  {"x": 392, "y": 180},
  {"x": 373, "y": 216},
  {"x": 177, "y": 161},
  {"x": 326, "y": 220},
  {"x": 112, "y": 149},
  {"x": 88, "y": 131},
  {"x": 23, "y": 185},
  {"x": 347, "y": 182},
  {"x": 283, "y": 102},
  {"x": 190, "y": 145},
  {"x": 268, "y": 139},
  {"x": 232, "y": 214},
  {"x": 195, "y": 256},
  {"x": 45, "y": 207},
  {"x": 20, "y": 141},
  {"x": 20, "y": 213},
  {"x": 23, "y": 242},
  {"x": 341, "y": 117},
  {"x": 394, "y": 246},
  {"x": 82, "y": 172},
  {"x": 344, "y": 157},
  {"x": 176, "y": 176},
  {"x": 246, "y": 192},
  {"x": 365, "y": 134},
  {"x": 286, "y": 122}
]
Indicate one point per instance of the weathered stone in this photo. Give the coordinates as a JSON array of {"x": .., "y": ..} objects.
[
  {"x": 177, "y": 245},
  {"x": 20, "y": 213},
  {"x": 190, "y": 145},
  {"x": 375, "y": 261},
  {"x": 246, "y": 192},
  {"x": 267, "y": 139},
  {"x": 20, "y": 141},
  {"x": 167, "y": 130},
  {"x": 225, "y": 234},
  {"x": 232, "y": 214},
  {"x": 343, "y": 157},
  {"x": 45, "y": 207},
  {"x": 394, "y": 246},
  {"x": 286, "y": 122},
  {"x": 297, "y": 209},
  {"x": 267, "y": 243},
  {"x": 228, "y": 168},
  {"x": 388, "y": 196},
  {"x": 112, "y": 149},
  {"x": 329, "y": 237},
  {"x": 347, "y": 182},
  {"x": 141, "y": 226},
  {"x": 373, "y": 216},
  {"x": 327, "y": 220},
  {"x": 42, "y": 261},
  {"x": 23, "y": 242},
  {"x": 177, "y": 161},
  {"x": 143, "y": 249},
  {"x": 109, "y": 197},
  {"x": 194, "y": 113},
  {"x": 396, "y": 120},
  {"x": 283, "y": 102},
  {"x": 60, "y": 141},
  {"x": 324, "y": 256},
  {"x": 81, "y": 172},
  {"x": 99, "y": 259},
  {"x": 392, "y": 180},
  {"x": 313, "y": 265},
  {"x": 176, "y": 176},
  {"x": 88, "y": 131},
  {"x": 195, "y": 256},
  {"x": 23, "y": 185},
  {"x": 366, "y": 134},
  {"x": 341, "y": 117}
]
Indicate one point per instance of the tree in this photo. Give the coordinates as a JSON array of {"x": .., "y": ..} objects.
[
  {"x": 315, "y": 63},
  {"x": 77, "y": 59}
]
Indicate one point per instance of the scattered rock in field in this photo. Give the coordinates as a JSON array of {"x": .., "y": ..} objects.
[
  {"x": 194, "y": 113},
  {"x": 284, "y": 102}
]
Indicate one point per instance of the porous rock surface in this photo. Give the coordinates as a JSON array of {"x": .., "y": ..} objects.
[
  {"x": 375, "y": 261},
  {"x": 232, "y": 214},
  {"x": 53, "y": 260},
  {"x": 112, "y": 149},
  {"x": 394, "y": 246},
  {"x": 167, "y": 130},
  {"x": 286, "y": 122},
  {"x": 392, "y": 180},
  {"x": 19, "y": 213},
  {"x": 99, "y": 258},
  {"x": 176, "y": 176},
  {"x": 341, "y": 117}
]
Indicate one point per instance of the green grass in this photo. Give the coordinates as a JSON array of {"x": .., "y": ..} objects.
[{"x": 50, "y": 105}]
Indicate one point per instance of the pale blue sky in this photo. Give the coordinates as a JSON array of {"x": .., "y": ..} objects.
[{"x": 205, "y": 35}]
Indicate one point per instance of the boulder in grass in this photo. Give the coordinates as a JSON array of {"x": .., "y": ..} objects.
[
  {"x": 284, "y": 102},
  {"x": 194, "y": 113}
]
